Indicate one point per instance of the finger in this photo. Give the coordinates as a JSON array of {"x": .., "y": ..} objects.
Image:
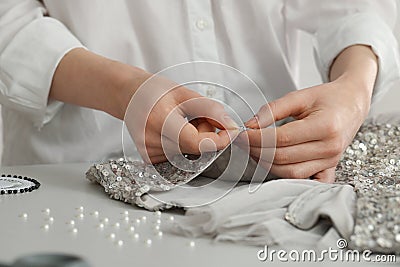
[
  {"x": 292, "y": 104},
  {"x": 191, "y": 141},
  {"x": 292, "y": 133},
  {"x": 205, "y": 126},
  {"x": 302, "y": 170},
  {"x": 158, "y": 159},
  {"x": 158, "y": 146},
  {"x": 207, "y": 108},
  {"x": 177, "y": 129},
  {"x": 326, "y": 176},
  {"x": 258, "y": 138},
  {"x": 297, "y": 153}
]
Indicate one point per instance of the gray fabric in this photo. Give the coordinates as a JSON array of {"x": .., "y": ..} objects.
[{"x": 321, "y": 212}]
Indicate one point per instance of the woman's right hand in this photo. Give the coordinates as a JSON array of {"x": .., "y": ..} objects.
[{"x": 159, "y": 118}]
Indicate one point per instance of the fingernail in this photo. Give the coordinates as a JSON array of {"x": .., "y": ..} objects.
[
  {"x": 252, "y": 122},
  {"x": 231, "y": 124}
]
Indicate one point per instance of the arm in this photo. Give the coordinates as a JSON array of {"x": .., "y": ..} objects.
[
  {"x": 89, "y": 80},
  {"x": 357, "y": 65}
]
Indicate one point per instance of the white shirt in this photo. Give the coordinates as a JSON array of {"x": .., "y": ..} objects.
[{"x": 258, "y": 37}]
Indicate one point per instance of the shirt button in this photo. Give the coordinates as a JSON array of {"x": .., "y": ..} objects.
[
  {"x": 201, "y": 24},
  {"x": 210, "y": 92}
]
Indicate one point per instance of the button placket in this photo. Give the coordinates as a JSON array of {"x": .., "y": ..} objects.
[{"x": 204, "y": 42}]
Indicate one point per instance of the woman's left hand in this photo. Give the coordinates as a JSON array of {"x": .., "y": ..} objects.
[{"x": 327, "y": 118}]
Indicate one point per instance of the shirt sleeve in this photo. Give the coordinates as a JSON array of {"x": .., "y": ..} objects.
[
  {"x": 31, "y": 46},
  {"x": 336, "y": 25}
]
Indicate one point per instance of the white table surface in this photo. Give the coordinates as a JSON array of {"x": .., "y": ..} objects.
[{"x": 64, "y": 189}]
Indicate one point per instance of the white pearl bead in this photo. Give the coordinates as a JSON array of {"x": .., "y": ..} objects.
[
  {"x": 132, "y": 229},
  {"x": 106, "y": 220},
  {"x": 120, "y": 243},
  {"x": 47, "y": 211},
  {"x": 81, "y": 208},
  {"x": 158, "y": 221},
  {"x": 160, "y": 234},
  {"x": 24, "y": 215},
  {"x": 157, "y": 227},
  {"x": 148, "y": 242},
  {"x": 80, "y": 216},
  {"x": 112, "y": 236},
  {"x": 192, "y": 244},
  {"x": 136, "y": 236},
  {"x": 137, "y": 221},
  {"x": 126, "y": 219},
  {"x": 126, "y": 213},
  {"x": 72, "y": 222},
  {"x": 144, "y": 218},
  {"x": 101, "y": 225},
  {"x": 171, "y": 218},
  {"x": 95, "y": 213},
  {"x": 117, "y": 225},
  {"x": 51, "y": 219},
  {"x": 157, "y": 213},
  {"x": 75, "y": 230},
  {"x": 46, "y": 227}
]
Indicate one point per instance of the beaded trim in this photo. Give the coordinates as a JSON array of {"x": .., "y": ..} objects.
[{"x": 13, "y": 184}]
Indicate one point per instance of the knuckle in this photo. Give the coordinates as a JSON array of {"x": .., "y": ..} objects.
[
  {"x": 265, "y": 165},
  {"x": 281, "y": 157},
  {"x": 192, "y": 146},
  {"x": 282, "y": 138},
  {"x": 333, "y": 126},
  {"x": 295, "y": 173},
  {"x": 335, "y": 160},
  {"x": 270, "y": 108},
  {"x": 223, "y": 143},
  {"x": 332, "y": 129},
  {"x": 265, "y": 108},
  {"x": 334, "y": 148}
]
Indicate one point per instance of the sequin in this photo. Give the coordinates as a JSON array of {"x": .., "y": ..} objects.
[{"x": 377, "y": 185}]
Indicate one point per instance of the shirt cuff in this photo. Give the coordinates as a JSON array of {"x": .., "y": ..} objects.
[
  {"x": 364, "y": 29},
  {"x": 27, "y": 66}
]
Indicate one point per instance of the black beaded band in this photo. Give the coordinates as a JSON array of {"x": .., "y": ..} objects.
[{"x": 35, "y": 185}]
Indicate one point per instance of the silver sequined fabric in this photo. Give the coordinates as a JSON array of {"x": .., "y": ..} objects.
[
  {"x": 128, "y": 180},
  {"x": 371, "y": 164}
]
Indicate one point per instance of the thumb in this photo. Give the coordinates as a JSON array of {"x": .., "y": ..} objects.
[
  {"x": 292, "y": 104},
  {"x": 213, "y": 111}
]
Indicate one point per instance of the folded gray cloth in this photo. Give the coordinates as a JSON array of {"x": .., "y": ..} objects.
[{"x": 282, "y": 212}]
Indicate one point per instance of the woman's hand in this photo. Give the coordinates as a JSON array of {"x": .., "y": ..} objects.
[
  {"x": 158, "y": 120},
  {"x": 327, "y": 118}
]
